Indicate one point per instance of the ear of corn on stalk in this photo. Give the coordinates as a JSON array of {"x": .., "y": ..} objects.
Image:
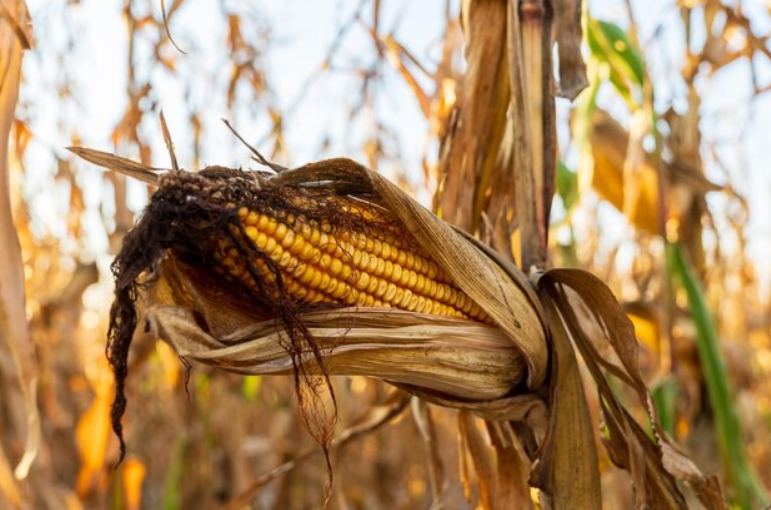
[{"x": 305, "y": 254}]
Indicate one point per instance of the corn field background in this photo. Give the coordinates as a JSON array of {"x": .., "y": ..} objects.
[{"x": 661, "y": 189}]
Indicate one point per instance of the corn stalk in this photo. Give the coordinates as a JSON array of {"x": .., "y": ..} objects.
[{"x": 520, "y": 166}]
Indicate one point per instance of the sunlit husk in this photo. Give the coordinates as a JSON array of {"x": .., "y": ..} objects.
[
  {"x": 455, "y": 358},
  {"x": 497, "y": 286},
  {"x": 448, "y": 356},
  {"x": 452, "y": 359}
]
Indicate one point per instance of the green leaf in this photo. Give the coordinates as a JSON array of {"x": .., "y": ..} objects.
[
  {"x": 623, "y": 62},
  {"x": 748, "y": 492},
  {"x": 665, "y": 399},
  {"x": 567, "y": 186},
  {"x": 172, "y": 495}
]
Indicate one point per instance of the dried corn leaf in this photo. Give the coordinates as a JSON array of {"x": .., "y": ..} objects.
[
  {"x": 15, "y": 36},
  {"x": 566, "y": 470},
  {"x": 654, "y": 464},
  {"x": 477, "y": 122},
  {"x": 572, "y": 69},
  {"x": 9, "y": 488},
  {"x": 124, "y": 166},
  {"x": 637, "y": 194},
  {"x": 526, "y": 126}
]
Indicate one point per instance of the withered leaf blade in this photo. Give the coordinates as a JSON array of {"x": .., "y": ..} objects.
[
  {"x": 572, "y": 69},
  {"x": 477, "y": 123},
  {"x": 123, "y": 166},
  {"x": 567, "y": 469},
  {"x": 14, "y": 328},
  {"x": 657, "y": 462}
]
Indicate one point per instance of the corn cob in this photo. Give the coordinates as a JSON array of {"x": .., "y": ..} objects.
[{"x": 320, "y": 263}]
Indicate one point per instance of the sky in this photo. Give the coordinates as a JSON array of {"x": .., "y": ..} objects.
[{"x": 301, "y": 33}]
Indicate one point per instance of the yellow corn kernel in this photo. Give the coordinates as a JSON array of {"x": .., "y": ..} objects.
[{"x": 320, "y": 263}]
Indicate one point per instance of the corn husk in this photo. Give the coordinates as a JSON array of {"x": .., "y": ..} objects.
[{"x": 453, "y": 358}]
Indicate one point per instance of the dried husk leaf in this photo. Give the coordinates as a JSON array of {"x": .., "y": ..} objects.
[
  {"x": 528, "y": 408},
  {"x": 448, "y": 356},
  {"x": 458, "y": 358}
]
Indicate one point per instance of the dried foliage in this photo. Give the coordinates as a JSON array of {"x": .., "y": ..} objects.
[{"x": 24, "y": 425}]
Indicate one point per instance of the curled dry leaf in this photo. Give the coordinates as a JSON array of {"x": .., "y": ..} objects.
[
  {"x": 476, "y": 125},
  {"x": 624, "y": 175},
  {"x": 655, "y": 465},
  {"x": 572, "y": 69}
]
